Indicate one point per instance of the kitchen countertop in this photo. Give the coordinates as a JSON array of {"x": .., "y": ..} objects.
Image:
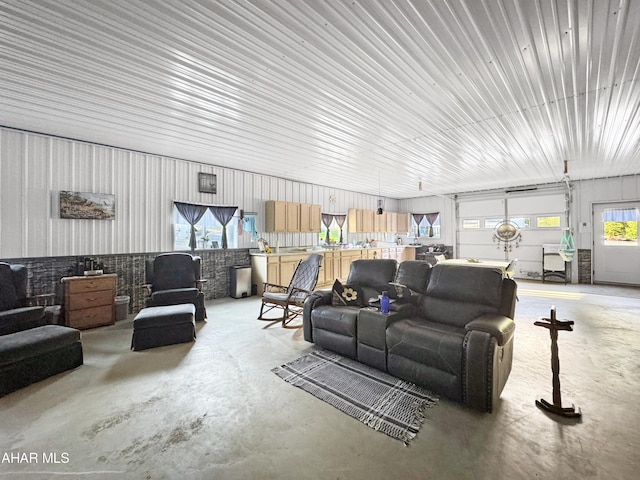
[{"x": 323, "y": 250}]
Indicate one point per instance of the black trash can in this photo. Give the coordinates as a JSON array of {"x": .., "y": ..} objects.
[{"x": 240, "y": 281}]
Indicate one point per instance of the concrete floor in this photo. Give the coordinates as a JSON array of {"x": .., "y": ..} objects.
[{"x": 213, "y": 409}]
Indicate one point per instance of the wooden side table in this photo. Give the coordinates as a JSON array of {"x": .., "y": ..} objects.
[{"x": 89, "y": 301}]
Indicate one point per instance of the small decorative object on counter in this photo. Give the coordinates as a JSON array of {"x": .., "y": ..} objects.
[{"x": 384, "y": 302}]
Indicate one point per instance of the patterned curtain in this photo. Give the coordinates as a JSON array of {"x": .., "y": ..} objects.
[
  {"x": 340, "y": 219},
  {"x": 192, "y": 214},
  {"x": 224, "y": 216}
]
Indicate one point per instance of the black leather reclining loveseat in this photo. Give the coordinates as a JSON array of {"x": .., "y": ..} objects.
[{"x": 453, "y": 336}]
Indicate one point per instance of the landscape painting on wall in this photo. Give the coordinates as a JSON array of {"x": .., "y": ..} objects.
[{"x": 93, "y": 206}]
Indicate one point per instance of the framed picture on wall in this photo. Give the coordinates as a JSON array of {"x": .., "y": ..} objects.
[
  {"x": 88, "y": 206},
  {"x": 207, "y": 183}
]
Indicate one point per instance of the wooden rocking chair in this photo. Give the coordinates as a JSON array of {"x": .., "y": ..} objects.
[{"x": 291, "y": 298}]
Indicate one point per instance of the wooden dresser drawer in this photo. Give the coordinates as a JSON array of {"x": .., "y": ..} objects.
[
  {"x": 90, "y": 284},
  {"x": 89, "y": 300},
  {"x": 90, "y": 317}
]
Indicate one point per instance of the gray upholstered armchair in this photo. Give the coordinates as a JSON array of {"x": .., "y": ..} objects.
[
  {"x": 15, "y": 314},
  {"x": 174, "y": 278}
]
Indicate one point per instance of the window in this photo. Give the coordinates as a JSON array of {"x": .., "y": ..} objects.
[
  {"x": 521, "y": 222},
  {"x": 492, "y": 223},
  {"x": 334, "y": 234},
  {"x": 470, "y": 223},
  {"x": 208, "y": 232},
  {"x": 425, "y": 225},
  {"x": 548, "y": 222},
  {"x": 620, "y": 226},
  {"x": 335, "y": 224}
]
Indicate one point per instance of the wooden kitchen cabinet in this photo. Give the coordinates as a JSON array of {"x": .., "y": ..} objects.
[
  {"x": 380, "y": 222},
  {"x": 309, "y": 217},
  {"x": 316, "y": 218},
  {"x": 89, "y": 301},
  {"x": 288, "y": 265},
  {"x": 404, "y": 223},
  {"x": 354, "y": 220},
  {"x": 392, "y": 222},
  {"x": 275, "y": 269},
  {"x": 291, "y": 217},
  {"x": 326, "y": 270},
  {"x": 275, "y": 216},
  {"x": 367, "y": 221},
  {"x": 346, "y": 257}
]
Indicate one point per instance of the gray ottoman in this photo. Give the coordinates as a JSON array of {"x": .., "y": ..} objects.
[
  {"x": 34, "y": 354},
  {"x": 158, "y": 326}
]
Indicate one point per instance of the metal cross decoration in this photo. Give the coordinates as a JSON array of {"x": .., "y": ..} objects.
[{"x": 554, "y": 325}]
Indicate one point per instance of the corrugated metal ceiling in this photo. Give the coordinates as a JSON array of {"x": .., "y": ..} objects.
[{"x": 369, "y": 96}]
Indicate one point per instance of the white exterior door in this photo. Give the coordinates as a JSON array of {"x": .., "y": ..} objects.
[{"x": 616, "y": 252}]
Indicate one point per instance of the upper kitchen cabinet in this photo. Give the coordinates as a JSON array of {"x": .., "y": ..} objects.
[
  {"x": 354, "y": 220},
  {"x": 404, "y": 224},
  {"x": 275, "y": 216},
  {"x": 380, "y": 222},
  {"x": 309, "y": 217},
  {"x": 291, "y": 217},
  {"x": 368, "y": 217},
  {"x": 368, "y": 221}
]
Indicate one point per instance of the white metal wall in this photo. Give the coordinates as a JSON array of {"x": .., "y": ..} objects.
[
  {"x": 34, "y": 168},
  {"x": 588, "y": 192},
  {"x": 444, "y": 205}
]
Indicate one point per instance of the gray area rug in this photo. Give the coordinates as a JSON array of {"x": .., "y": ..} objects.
[{"x": 377, "y": 399}]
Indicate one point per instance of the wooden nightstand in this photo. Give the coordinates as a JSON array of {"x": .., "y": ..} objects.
[{"x": 89, "y": 301}]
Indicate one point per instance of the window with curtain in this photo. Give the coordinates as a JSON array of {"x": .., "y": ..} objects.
[
  {"x": 332, "y": 225},
  {"x": 208, "y": 232},
  {"x": 425, "y": 224},
  {"x": 620, "y": 226}
]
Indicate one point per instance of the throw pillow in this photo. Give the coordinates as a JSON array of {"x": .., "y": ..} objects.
[
  {"x": 394, "y": 290},
  {"x": 400, "y": 290},
  {"x": 346, "y": 295},
  {"x": 8, "y": 296}
]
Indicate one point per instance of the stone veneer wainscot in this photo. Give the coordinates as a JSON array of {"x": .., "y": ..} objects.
[{"x": 45, "y": 272}]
